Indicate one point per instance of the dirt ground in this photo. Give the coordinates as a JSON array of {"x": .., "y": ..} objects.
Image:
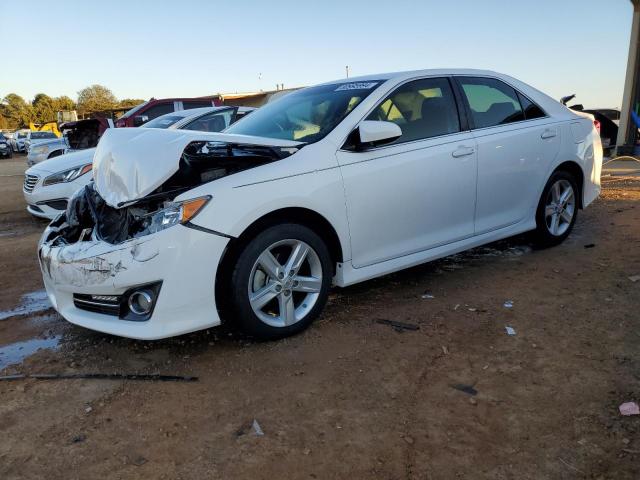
[{"x": 351, "y": 398}]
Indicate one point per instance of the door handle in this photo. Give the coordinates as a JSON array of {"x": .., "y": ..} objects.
[
  {"x": 462, "y": 152},
  {"x": 548, "y": 133}
]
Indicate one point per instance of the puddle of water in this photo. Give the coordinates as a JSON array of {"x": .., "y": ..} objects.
[
  {"x": 30, "y": 303},
  {"x": 17, "y": 352}
]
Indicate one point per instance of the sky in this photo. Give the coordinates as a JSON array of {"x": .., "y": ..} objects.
[{"x": 143, "y": 48}]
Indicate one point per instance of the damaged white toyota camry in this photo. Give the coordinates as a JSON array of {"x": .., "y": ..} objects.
[{"x": 336, "y": 183}]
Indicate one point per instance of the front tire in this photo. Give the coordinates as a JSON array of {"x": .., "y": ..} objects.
[
  {"x": 557, "y": 209},
  {"x": 280, "y": 282}
]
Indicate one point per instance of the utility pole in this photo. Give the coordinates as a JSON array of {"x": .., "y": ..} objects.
[{"x": 347, "y": 69}]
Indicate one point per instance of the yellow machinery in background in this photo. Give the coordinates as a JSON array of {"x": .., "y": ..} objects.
[{"x": 45, "y": 127}]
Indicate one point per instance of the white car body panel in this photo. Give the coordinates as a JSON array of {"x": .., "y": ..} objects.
[
  {"x": 392, "y": 207},
  {"x": 40, "y": 194},
  {"x": 437, "y": 193}
]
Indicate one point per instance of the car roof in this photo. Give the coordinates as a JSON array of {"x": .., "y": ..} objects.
[
  {"x": 417, "y": 73},
  {"x": 549, "y": 104}
]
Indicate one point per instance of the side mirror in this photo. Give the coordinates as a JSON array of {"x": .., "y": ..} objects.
[
  {"x": 372, "y": 133},
  {"x": 140, "y": 120}
]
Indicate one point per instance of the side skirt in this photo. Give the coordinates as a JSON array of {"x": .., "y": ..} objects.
[{"x": 347, "y": 274}]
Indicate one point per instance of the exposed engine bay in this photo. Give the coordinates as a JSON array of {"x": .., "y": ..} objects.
[{"x": 89, "y": 216}]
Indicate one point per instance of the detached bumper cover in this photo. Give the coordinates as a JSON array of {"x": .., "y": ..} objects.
[{"x": 184, "y": 259}]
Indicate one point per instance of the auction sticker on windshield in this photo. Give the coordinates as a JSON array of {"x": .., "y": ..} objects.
[{"x": 356, "y": 86}]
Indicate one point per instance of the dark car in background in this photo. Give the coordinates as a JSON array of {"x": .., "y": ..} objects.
[
  {"x": 5, "y": 148},
  {"x": 141, "y": 114}
]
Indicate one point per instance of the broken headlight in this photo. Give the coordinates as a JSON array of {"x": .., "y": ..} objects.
[
  {"x": 68, "y": 175},
  {"x": 174, "y": 213}
]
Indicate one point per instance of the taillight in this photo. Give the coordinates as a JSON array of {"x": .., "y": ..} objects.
[{"x": 596, "y": 124}]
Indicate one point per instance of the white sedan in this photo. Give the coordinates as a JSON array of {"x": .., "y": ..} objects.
[
  {"x": 48, "y": 185},
  {"x": 337, "y": 183}
]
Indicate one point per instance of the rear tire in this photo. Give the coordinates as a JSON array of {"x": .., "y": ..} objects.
[
  {"x": 280, "y": 282},
  {"x": 557, "y": 210}
]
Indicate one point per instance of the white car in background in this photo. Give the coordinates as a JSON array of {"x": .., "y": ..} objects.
[
  {"x": 17, "y": 141},
  {"x": 48, "y": 185},
  {"x": 337, "y": 183},
  {"x": 35, "y": 138}
]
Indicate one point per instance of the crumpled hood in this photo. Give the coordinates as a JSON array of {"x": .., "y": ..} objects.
[{"x": 130, "y": 163}]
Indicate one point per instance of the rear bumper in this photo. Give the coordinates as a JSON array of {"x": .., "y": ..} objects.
[{"x": 183, "y": 259}]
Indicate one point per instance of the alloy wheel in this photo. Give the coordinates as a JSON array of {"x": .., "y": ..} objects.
[
  {"x": 560, "y": 207},
  {"x": 285, "y": 283}
]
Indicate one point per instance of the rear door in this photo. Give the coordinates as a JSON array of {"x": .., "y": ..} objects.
[
  {"x": 516, "y": 144},
  {"x": 419, "y": 191}
]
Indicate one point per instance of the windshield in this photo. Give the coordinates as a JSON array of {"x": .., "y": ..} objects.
[
  {"x": 305, "y": 115},
  {"x": 40, "y": 135},
  {"x": 165, "y": 121}
]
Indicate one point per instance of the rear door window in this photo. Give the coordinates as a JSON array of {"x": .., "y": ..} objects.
[
  {"x": 422, "y": 109},
  {"x": 491, "y": 101}
]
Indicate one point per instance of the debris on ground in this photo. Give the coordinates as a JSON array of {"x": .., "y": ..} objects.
[
  {"x": 590, "y": 245},
  {"x": 629, "y": 408},
  {"x": 100, "y": 376},
  {"x": 398, "y": 326},
  {"x": 456, "y": 307},
  {"x": 256, "y": 428},
  {"x": 508, "y": 304},
  {"x": 428, "y": 296},
  {"x": 634, "y": 278},
  {"x": 468, "y": 389},
  {"x": 510, "y": 330},
  {"x": 445, "y": 350},
  {"x": 79, "y": 438}
]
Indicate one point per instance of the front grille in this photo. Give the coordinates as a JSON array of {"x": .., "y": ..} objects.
[
  {"x": 30, "y": 182},
  {"x": 105, "y": 304}
]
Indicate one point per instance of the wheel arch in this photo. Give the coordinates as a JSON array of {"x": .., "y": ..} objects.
[
  {"x": 574, "y": 169},
  {"x": 299, "y": 215}
]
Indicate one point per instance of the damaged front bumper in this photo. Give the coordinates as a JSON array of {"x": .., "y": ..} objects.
[{"x": 182, "y": 260}]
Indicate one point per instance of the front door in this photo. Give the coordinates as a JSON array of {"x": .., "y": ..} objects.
[{"x": 418, "y": 192}]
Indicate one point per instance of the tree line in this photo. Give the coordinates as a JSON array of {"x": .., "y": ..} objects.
[{"x": 16, "y": 112}]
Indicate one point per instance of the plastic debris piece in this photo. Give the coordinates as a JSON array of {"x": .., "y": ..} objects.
[
  {"x": 634, "y": 278},
  {"x": 465, "y": 388},
  {"x": 629, "y": 408},
  {"x": 456, "y": 307},
  {"x": 256, "y": 428},
  {"x": 445, "y": 350},
  {"x": 508, "y": 304},
  {"x": 472, "y": 309},
  {"x": 428, "y": 296},
  {"x": 510, "y": 330}
]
